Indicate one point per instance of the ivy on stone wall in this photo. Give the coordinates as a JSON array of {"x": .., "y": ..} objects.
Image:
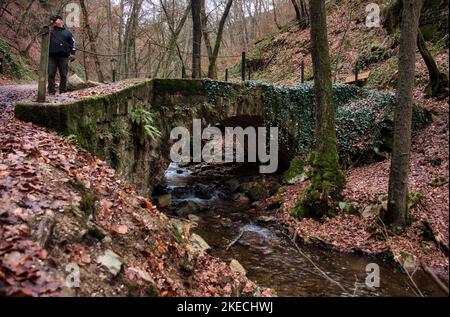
[{"x": 364, "y": 119}]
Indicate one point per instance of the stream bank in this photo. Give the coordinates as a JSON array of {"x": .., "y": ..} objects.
[{"x": 224, "y": 206}]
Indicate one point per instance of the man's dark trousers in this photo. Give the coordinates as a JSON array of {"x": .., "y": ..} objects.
[{"x": 61, "y": 64}]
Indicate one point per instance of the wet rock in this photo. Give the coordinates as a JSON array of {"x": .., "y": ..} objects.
[
  {"x": 180, "y": 171},
  {"x": 235, "y": 266},
  {"x": 163, "y": 201},
  {"x": 160, "y": 190},
  {"x": 233, "y": 184},
  {"x": 241, "y": 198},
  {"x": 266, "y": 219},
  {"x": 194, "y": 218},
  {"x": 111, "y": 261},
  {"x": 184, "y": 162},
  {"x": 254, "y": 190},
  {"x": 187, "y": 209},
  {"x": 257, "y": 204},
  {"x": 199, "y": 243},
  {"x": 203, "y": 192}
]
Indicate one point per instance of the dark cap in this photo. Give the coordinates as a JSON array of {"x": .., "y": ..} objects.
[{"x": 56, "y": 17}]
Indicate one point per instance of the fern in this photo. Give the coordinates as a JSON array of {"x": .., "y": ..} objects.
[{"x": 145, "y": 122}]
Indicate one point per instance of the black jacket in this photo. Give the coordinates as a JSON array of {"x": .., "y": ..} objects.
[{"x": 62, "y": 43}]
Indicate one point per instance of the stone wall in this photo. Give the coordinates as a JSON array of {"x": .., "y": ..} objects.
[{"x": 103, "y": 124}]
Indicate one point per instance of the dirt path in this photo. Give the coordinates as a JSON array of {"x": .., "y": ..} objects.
[{"x": 9, "y": 94}]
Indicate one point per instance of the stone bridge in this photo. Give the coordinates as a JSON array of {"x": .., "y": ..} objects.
[{"x": 103, "y": 124}]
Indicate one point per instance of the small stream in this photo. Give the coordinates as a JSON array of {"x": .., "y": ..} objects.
[{"x": 264, "y": 250}]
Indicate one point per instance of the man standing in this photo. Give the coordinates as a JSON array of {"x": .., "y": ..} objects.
[{"x": 62, "y": 45}]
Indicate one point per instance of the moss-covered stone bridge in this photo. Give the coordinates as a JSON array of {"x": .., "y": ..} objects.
[{"x": 104, "y": 125}]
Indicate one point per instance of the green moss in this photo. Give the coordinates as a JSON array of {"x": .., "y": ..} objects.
[
  {"x": 439, "y": 181},
  {"x": 87, "y": 203},
  {"x": 414, "y": 198},
  {"x": 12, "y": 64},
  {"x": 295, "y": 171},
  {"x": 327, "y": 181}
]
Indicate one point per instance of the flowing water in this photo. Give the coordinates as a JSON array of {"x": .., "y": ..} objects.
[{"x": 264, "y": 250}]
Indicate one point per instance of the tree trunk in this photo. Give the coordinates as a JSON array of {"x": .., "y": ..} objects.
[
  {"x": 275, "y": 17},
  {"x": 327, "y": 178},
  {"x": 197, "y": 38},
  {"x": 205, "y": 34},
  {"x": 120, "y": 39},
  {"x": 298, "y": 15},
  {"x": 174, "y": 34},
  {"x": 397, "y": 213},
  {"x": 92, "y": 42},
  {"x": 110, "y": 36},
  {"x": 438, "y": 85},
  {"x": 212, "y": 71},
  {"x": 301, "y": 13}
]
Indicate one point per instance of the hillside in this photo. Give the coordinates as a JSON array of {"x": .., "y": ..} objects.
[{"x": 277, "y": 58}]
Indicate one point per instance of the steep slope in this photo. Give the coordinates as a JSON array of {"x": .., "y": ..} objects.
[{"x": 277, "y": 57}]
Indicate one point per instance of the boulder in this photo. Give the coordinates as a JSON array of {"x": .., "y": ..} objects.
[
  {"x": 235, "y": 266},
  {"x": 241, "y": 198},
  {"x": 187, "y": 209},
  {"x": 266, "y": 219},
  {"x": 111, "y": 261},
  {"x": 74, "y": 82},
  {"x": 163, "y": 200},
  {"x": 254, "y": 190},
  {"x": 233, "y": 184},
  {"x": 199, "y": 243},
  {"x": 203, "y": 192},
  {"x": 194, "y": 218}
]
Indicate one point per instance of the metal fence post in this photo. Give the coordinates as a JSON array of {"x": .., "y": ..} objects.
[
  {"x": 302, "y": 71},
  {"x": 226, "y": 74},
  {"x": 243, "y": 65}
]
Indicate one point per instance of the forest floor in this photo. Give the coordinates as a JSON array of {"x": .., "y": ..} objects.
[
  {"x": 369, "y": 184},
  {"x": 351, "y": 41},
  {"x": 118, "y": 241}
]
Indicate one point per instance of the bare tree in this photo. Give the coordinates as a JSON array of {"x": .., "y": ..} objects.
[
  {"x": 212, "y": 69},
  {"x": 197, "y": 38},
  {"x": 397, "y": 212},
  {"x": 92, "y": 41}
]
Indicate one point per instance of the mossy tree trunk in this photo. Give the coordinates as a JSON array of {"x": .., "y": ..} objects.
[
  {"x": 328, "y": 179},
  {"x": 438, "y": 85},
  {"x": 397, "y": 213}
]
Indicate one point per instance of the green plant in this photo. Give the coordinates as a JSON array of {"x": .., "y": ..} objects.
[
  {"x": 13, "y": 64},
  {"x": 144, "y": 121},
  {"x": 73, "y": 138}
]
